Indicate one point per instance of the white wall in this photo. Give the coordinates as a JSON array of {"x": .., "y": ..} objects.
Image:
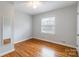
[
  {"x": 22, "y": 26},
  {"x": 65, "y": 26},
  {"x": 78, "y": 18},
  {"x": 78, "y": 27},
  {"x": 0, "y": 26}
]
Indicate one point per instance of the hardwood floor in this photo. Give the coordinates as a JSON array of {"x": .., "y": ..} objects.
[{"x": 39, "y": 48}]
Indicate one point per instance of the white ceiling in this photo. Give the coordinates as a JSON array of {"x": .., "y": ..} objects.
[{"x": 44, "y": 7}]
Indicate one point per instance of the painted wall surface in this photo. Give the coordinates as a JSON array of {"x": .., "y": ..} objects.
[
  {"x": 78, "y": 27},
  {"x": 22, "y": 26},
  {"x": 0, "y": 27},
  {"x": 65, "y": 26}
]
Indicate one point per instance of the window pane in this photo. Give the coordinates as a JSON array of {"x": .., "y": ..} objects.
[{"x": 48, "y": 25}]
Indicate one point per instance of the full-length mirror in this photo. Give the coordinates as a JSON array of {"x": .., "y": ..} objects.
[{"x": 6, "y": 30}]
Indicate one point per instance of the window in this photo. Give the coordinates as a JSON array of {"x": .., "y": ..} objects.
[{"x": 48, "y": 25}]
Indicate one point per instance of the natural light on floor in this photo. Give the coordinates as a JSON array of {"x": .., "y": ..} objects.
[{"x": 47, "y": 52}]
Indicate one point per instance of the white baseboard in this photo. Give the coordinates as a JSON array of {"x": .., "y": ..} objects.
[
  {"x": 7, "y": 52},
  {"x": 57, "y": 42},
  {"x": 48, "y": 41},
  {"x": 21, "y": 40}
]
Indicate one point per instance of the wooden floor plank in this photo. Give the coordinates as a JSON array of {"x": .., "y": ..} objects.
[{"x": 38, "y": 48}]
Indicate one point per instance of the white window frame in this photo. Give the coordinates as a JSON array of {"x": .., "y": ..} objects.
[{"x": 49, "y": 23}]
